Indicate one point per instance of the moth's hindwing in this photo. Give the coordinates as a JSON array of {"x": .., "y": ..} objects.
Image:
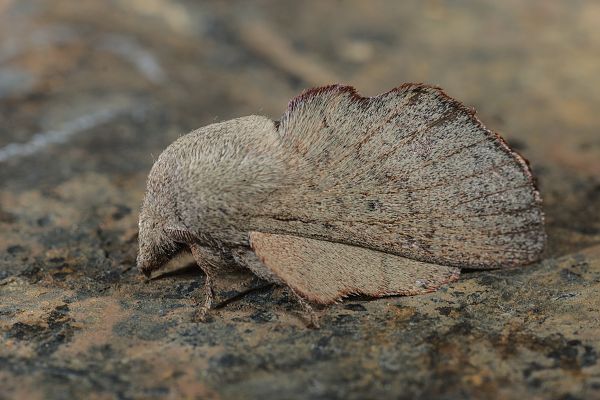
[{"x": 324, "y": 272}]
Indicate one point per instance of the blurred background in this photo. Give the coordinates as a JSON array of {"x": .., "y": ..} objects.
[
  {"x": 92, "y": 91},
  {"x": 101, "y": 86}
]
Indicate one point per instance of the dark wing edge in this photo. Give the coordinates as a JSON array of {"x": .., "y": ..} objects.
[{"x": 495, "y": 137}]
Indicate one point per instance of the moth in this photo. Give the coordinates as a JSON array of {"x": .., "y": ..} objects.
[{"x": 378, "y": 196}]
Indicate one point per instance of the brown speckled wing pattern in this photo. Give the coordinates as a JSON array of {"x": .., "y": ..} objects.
[{"x": 411, "y": 172}]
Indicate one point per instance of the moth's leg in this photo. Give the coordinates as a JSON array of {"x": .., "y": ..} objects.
[
  {"x": 204, "y": 259},
  {"x": 314, "y": 319},
  {"x": 247, "y": 258}
]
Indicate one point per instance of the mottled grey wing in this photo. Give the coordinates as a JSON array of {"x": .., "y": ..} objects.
[{"x": 412, "y": 172}]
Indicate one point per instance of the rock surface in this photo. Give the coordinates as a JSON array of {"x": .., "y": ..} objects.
[{"x": 91, "y": 92}]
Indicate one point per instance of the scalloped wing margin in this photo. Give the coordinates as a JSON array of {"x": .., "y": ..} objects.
[{"x": 411, "y": 172}]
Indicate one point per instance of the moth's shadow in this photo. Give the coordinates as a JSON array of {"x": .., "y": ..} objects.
[
  {"x": 474, "y": 271},
  {"x": 237, "y": 289},
  {"x": 189, "y": 270},
  {"x": 260, "y": 287},
  {"x": 361, "y": 298}
]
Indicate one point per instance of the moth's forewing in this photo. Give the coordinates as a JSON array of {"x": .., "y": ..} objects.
[{"x": 411, "y": 172}]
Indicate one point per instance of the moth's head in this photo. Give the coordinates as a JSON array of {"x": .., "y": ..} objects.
[{"x": 156, "y": 248}]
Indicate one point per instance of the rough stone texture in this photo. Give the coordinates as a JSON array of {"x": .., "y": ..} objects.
[{"x": 106, "y": 86}]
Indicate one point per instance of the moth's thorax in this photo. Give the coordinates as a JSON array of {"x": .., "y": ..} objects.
[{"x": 213, "y": 179}]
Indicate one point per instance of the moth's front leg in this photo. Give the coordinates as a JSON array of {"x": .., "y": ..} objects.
[{"x": 208, "y": 260}]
